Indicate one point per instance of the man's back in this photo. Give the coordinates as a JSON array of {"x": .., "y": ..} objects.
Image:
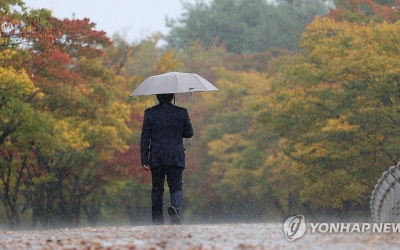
[{"x": 164, "y": 127}]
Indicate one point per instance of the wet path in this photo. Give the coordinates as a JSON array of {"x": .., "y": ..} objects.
[{"x": 218, "y": 236}]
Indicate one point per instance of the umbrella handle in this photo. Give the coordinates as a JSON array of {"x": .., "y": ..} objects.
[{"x": 191, "y": 93}]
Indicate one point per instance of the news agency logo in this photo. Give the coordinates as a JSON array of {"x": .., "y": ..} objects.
[{"x": 294, "y": 227}]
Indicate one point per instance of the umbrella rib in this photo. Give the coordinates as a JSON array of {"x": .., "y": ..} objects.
[
  {"x": 204, "y": 83},
  {"x": 199, "y": 80}
]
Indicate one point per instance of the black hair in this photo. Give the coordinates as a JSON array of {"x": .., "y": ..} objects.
[{"x": 162, "y": 98}]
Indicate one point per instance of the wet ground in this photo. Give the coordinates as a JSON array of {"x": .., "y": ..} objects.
[{"x": 217, "y": 236}]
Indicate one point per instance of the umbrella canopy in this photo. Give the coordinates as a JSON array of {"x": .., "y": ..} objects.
[{"x": 173, "y": 82}]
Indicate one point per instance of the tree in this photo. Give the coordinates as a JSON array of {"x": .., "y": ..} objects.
[
  {"x": 89, "y": 120},
  {"x": 19, "y": 134},
  {"x": 335, "y": 110},
  {"x": 365, "y": 10},
  {"x": 16, "y": 27},
  {"x": 225, "y": 165},
  {"x": 243, "y": 26}
]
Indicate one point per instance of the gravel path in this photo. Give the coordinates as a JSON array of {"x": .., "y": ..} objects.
[{"x": 211, "y": 236}]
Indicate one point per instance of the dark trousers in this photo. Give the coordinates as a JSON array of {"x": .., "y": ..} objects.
[{"x": 174, "y": 180}]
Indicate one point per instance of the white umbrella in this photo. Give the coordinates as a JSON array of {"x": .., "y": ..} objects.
[{"x": 173, "y": 82}]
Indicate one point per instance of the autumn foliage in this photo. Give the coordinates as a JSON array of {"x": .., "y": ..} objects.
[
  {"x": 288, "y": 132},
  {"x": 356, "y": 10}
]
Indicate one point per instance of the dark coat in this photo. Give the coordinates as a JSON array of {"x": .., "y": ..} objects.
[{"x": 164, "y": 127}]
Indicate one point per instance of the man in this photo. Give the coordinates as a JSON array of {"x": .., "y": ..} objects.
[{"x": 162, "y": 152}]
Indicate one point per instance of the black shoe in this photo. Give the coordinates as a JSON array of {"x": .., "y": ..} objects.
[{"x": 173, "y": 215}]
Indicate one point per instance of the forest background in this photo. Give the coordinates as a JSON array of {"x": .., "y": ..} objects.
[{"x": 306, "y": 118}]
